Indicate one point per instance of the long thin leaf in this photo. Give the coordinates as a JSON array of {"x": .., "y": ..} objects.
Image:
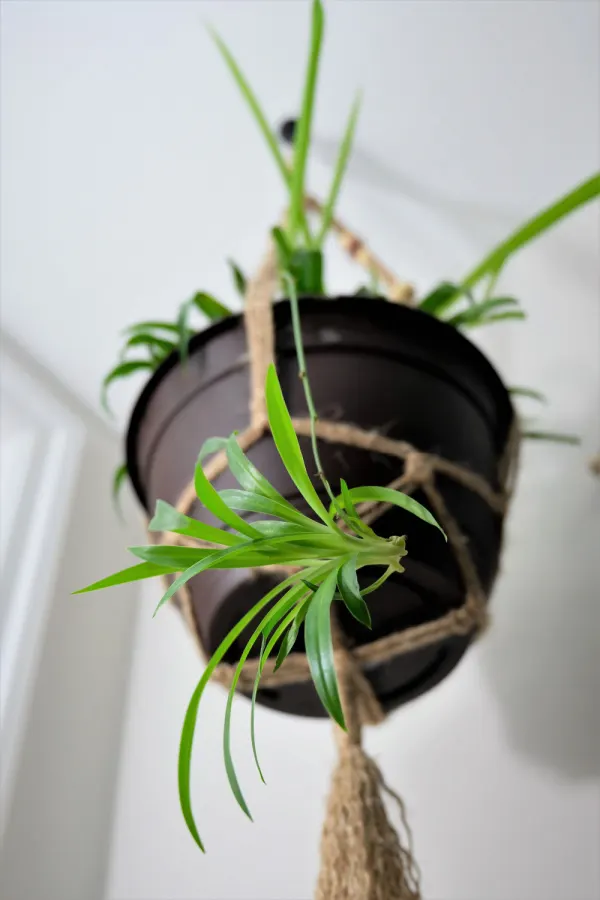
[
  {"x": 265, "y": 651},
  {"x": 118, "y": 480},
  {"x": 517, "y": 315},
  {"x": 239, "y": 279},
  {"x": 185, "y": 557},
  {"x": 205, "y": 303},
  {"x": 210, "y": 498},
  {"x": 347, "y": 581},
  {"x": 212, "y": 308},
  {"x": 480, "y": 312},
  {"x": 248, "y": 476},
  {"x": 440, "y": 298},
  {"x": 143, "y": 327},
  {"x": 397, "y": 498},
  {"x": 180, "y": 558},
  {"x": 555, "y": 437},
  {"x": 245, "y": 501},
  {"x": 319, "y": 648},
  {"x": 351, "y": 514},
  {"x": 272, "y": 618},
  {"x": 133, "y": 573},
  {"x": 527, "y": 392},
  {"x": 168, "y": 519},
  {"x": 246, "y": 555},
  {"x": 283, "y": 247},
  {"x": 340, "y": 169},
  {"x": 191, "y": 716},
  {"x": 152, "y": 342},
  {"x": 252, "y": 101},
  {"x": 288, "y": 447},
  {"x": 123, "y": 370},
  {"x": 292, "y": 633},
  {"x": 576, "y": 198},
  {"x": 303, "y": 128}
]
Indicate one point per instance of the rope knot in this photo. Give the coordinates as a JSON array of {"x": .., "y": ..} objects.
[
  {"x": 417, "y": 468},
  {"x": 472, "y": 615}
]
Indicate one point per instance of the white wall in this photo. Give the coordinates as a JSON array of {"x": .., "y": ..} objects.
[
  {"x": 130, "y": 171},
  {"x": 65, "y": 659}
]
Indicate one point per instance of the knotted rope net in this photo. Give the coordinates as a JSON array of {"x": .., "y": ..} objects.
[{"x": 363, "y": 857}]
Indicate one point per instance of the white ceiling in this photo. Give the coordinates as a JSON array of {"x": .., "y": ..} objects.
[{"x": 130, "y": 168}]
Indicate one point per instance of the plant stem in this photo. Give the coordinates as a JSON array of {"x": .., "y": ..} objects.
[
  {"x": 494, "y": 261},
  {"x": 312, "y": 412},
  {"x": 377, "y": 584}
]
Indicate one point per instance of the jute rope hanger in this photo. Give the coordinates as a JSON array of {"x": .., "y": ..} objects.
[{"x": 363, "y": 857}]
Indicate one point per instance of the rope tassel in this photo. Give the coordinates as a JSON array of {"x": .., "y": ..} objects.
[{"x": 362, "y": 855}]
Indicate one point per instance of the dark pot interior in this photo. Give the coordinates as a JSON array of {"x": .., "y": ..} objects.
[{"x": 376, "y": 365}]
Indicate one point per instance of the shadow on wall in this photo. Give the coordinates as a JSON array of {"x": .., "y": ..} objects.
[{"x": 542, "y": 655}]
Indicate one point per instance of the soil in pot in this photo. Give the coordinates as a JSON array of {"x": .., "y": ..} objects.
[{"x": 382, "y": 367}]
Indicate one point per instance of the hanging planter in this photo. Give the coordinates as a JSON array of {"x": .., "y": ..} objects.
[
  {"x": 350, "y": 584},
  {"x": 388, "y": 370}
]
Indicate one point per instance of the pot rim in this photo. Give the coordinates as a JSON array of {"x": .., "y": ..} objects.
[{"x": 380, "y": 309}]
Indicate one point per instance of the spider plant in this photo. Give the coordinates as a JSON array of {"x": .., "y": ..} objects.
[
  {"x": 326, "y": 550},
  {"x": 456, "y": 304},
  {"x": 302, "y": 247},
  {"x": 156, "y": 340}
]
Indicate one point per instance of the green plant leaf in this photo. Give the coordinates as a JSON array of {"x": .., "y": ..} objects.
[
  {"x": 239, "y": 279},
  {"x": 212, "y": 308},
  {"x": 178, "y": 558},
  {"x": 288, "y": 447},
  {"x": 248, "y": 476},
  {"x": 205, "y": 303},
  {"x": 144, "y": 327},
  {"x": 352, "y": 515},
  {"x": 252, "y": 553},
  {"x": 123, "y": 370},
  {"x": 303, "y": 128},
  {"x": 213, "y": 502},
  {"x": 133, "y": 573},
  {"x": 517, "y": 315},
  {"x": 156, "y": 345},
  {"x": 212, "y": 445},
  {"x": 527, "y": 392},
  {"x": 306, "y": 272},
  {"x": 265, "y": 651},
  {"x": 119, "y": 477},
  {"x": 191, "y": 716},
  {"x": 397, "y": 498},
  {"x": 283, "y": 247},
  {"x": 319, "y": 648},
  {"x": 340, "y": 169},
  {"x": 347, "y": 581},
  {"x": 583, "y": 193},
  {"x": 245, "y": 501},
  {"x": 261, "y": 663},
  {"x": 254, "y": 106},
  {"x": 272, "y": 618},
  {"x": 167, "y": 519},
  {"x": 440, "y": 298},
  {"x": 555, "y": 437},
  {"x": 291, "y": 635},
  {"x": 480, "y": 312}
]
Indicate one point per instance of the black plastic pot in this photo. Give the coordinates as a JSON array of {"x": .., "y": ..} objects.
[{"x": 376, "y": 365}]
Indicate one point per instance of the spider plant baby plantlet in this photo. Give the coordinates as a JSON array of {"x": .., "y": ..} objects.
[{"x": 326, "y": 551}]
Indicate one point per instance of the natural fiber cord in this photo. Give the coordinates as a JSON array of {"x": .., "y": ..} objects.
[{"x": 362, "y": 854}]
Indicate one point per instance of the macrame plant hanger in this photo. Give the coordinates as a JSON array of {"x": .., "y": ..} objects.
[{"x": 363, "y": 857}]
